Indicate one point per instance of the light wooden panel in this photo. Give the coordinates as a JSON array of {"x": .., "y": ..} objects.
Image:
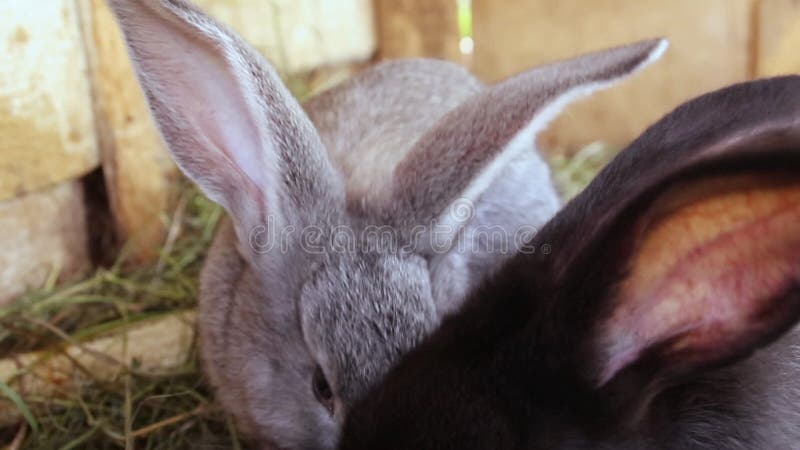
[
  {"x": 710, "y": 48},
  {"x": 138, "y": 171},
  {"x": 42, "y": 234},
  {"x": 778, "y": 48},
  {"x": 46, "y": 126},
  {"x": 414, "y": 28},
  {"x": 299, "y": 35}
]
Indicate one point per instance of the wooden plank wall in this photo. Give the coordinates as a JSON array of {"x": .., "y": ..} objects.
[
  {"x": 138, "y": 172},
  {"x": 43, "y": 235},
  {"x": 299, "y": 35},
  {"x": 713, "y": 43},
  {"x": 47, "y": 142},
  {"x": 710, "y": 48},
  {"x": 777, "y": 50},
  {"x": 46, "y": 122},
  {"x": 417, "y": 28}
]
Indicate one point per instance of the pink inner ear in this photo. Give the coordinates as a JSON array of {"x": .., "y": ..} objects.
[
  {"x": 202, "y": 92},
  {"x": 707, "y": 273}
]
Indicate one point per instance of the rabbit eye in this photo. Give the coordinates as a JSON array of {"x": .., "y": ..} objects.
[{"x": 322, "y": 390}]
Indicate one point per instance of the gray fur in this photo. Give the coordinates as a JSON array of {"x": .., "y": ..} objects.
[
  {"x": 750, "y": 405},
  {"x": 369, "y": 123},
  {"x": 350, "y": 306}
]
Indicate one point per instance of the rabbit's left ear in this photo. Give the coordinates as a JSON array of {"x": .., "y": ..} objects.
[
  {"x": 690, "y": 238},
  {"x": 228, "y": 120}
]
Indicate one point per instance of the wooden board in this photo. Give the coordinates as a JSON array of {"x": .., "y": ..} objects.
[
  {"x": 46, "y": 125},
  {"x": 417, "y": 28},
  {"x": 710, "y": 48},
  {"x": 42, "y": 234},
  {"x": 138, "y": 171},
  {"x": 778, "y": 40},
  {"x": 298, "y": 35}
]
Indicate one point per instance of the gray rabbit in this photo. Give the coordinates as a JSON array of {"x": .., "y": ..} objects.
[
  {"x": 357, "y": 222},
  {"x": 665, "y": 317}
]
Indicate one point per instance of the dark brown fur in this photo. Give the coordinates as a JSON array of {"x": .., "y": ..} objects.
[{"x": 513, "y": 370}]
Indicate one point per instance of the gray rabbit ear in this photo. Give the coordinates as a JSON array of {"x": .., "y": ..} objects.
[
  {"x": 684, "y": 252},
  {"x": 455, "y": 165},
  {"x": 227, "y": 119}
]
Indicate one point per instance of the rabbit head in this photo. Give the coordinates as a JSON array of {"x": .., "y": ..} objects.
[
  {"x": 678, "y": 262},
  {"x": 340, "y": 253}
]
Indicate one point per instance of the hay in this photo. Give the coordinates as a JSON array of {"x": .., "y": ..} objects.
[
  {"x": 110, "y": 362},
  {"x": 572, "y": 174}
]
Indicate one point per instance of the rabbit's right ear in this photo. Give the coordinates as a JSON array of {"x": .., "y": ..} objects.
[
  {"x": 457, "y": 162},
  {"x": 229, "y": 122}
]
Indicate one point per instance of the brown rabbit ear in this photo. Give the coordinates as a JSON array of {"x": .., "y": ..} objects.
[
  {"x": 227, "y": 119},
  {"x": 456, "y": 161},
  {"x": 691, "y": 237}
]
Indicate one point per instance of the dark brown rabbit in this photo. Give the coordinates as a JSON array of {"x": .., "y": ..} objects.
[{"x": 660, "y": 319}]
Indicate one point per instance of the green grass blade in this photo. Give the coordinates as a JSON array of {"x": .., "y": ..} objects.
[{"x": 15, "y": 398}]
